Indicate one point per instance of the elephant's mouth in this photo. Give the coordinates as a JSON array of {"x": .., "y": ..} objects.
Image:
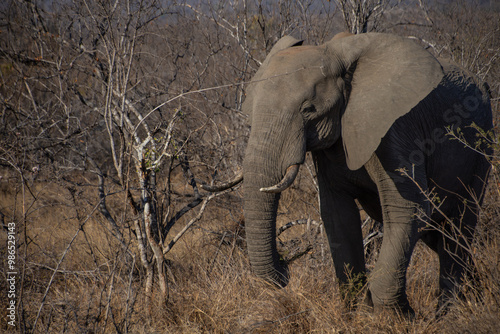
[{"x": 290, "y": 175}]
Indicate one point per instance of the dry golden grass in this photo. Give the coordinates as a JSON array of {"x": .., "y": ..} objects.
[{"x": 99, "y": 287}]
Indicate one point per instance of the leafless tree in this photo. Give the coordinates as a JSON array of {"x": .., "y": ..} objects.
[
  {"x": 106, "y": 89},
  {"x": 361, "y": 16}
]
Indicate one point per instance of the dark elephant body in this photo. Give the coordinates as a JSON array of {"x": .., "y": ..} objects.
[
  {"x": 421, "y": 144},
  {"x": 369, "y": 107}
]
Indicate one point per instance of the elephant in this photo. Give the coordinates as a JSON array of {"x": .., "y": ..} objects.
[{"x": 376, "y": 112}]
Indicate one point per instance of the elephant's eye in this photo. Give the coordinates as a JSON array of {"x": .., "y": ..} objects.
[{"x": 309, "y": 109}]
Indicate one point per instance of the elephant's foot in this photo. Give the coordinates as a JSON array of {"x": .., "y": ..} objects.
[
  {"x": 353, "y": 290},
  {"x": 400, "y": 308}
]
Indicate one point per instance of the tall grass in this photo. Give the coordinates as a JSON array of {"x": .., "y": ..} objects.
[{"x": 98, "y": 286}]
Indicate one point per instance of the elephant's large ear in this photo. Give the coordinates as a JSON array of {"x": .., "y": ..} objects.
[
  {"x": 284, "y": 43},
  {"x": 388, "y": 76}
]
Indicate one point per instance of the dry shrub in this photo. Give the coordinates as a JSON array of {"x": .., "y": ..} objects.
[
  {"x": 99, "y": 286},
  {"x": 213, "y": 290}
]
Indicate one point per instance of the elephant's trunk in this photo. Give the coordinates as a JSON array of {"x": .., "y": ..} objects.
[
  {"x": 272, "y": 158},
  {"x": 260, "y": 225}
]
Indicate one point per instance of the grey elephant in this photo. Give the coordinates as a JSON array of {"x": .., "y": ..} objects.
[{"x": 370, "y": 108}]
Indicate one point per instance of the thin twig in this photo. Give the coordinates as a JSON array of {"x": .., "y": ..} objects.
[
  {"x": 215, "y": 88},
  {"x": 189, "y": 224},
  {"x": 205, "y": 202},
  {"x": 296, "y": 223}
]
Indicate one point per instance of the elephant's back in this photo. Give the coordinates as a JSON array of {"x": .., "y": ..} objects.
[{"x": 468, "y": 93}]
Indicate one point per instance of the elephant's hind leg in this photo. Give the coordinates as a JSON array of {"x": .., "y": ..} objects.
[
  {"x": 453, "y": 235},
  {"x": 454, "y": 250},
  {"x": 402, "y": 207}
]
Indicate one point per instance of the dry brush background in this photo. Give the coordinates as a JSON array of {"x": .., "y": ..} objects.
[{"x": 111, "y": 115}]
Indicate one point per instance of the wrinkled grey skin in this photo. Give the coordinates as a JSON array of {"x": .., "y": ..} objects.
[{"x": 366, "y": 106}]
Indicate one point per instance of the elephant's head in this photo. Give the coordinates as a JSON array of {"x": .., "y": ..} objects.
[{"x": 304, "y": 98}]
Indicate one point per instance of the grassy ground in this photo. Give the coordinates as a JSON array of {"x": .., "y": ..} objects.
[{"x": 99, "y": 288}]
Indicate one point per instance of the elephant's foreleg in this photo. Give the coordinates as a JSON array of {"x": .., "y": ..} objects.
[
  {"x": 387, "y": 282},
  {"x": 342, "y": 223}
]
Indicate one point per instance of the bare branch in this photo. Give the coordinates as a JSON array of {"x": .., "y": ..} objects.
[{"x": 189, "y": 224}]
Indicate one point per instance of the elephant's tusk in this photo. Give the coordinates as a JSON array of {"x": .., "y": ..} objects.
[
  {"x": 291, "y": 174},
  {"x": 224, "y": 186}
]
